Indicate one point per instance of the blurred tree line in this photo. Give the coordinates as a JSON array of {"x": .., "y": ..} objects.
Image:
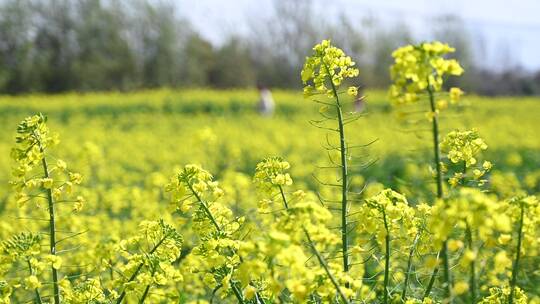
[{"x": 66, "y": 45}]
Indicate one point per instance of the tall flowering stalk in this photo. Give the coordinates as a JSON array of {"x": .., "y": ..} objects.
[
  {"x": 195, "y": 187},
  {"x": 419, "y": 71},
  {"x": 323, "y": 74},
  {"x": 391, "y": 223},
  {"x": 33, "y": 140}
]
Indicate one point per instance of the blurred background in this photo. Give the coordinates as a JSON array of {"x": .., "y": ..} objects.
[{"x": 99, "y": 45}]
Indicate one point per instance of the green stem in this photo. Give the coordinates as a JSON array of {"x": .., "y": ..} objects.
[
  {"x": 111, "y": 270},
  {"x": 344, "y": 174},
  {"x": 210, "y": 216},
  {"x": 409, "y": 268},
  {"x": 146, "y": 290},
  {"x": 237, "y": 293},
  {"x": 52, "y": 227},
  {"x": 444, "y": 253},
  {"x": 38, "y": 296},
  {"x": 431, "y": 281},
  {"x": 283, "y": 197},
  {"x": 145, "y": 294},
  {"x": 205, "y": 208},
  {"x": 437, "y": 159},
  {"x": 515, "y": 268},
  {"x": 436, "y": 145},
  {"x": 472, "y": 279},
  {"x": 322, "y": 262},
  {"x": 320, "y": 258},
  {"x": 136, "y": 273},
  {"x": 386, "y": 258}
]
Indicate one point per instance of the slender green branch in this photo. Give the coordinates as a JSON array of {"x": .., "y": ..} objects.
[
  {"x": 447, "y": 274},
  {"x": 138, "y": 269},
  {"x": 111, "y": 270},
  {"x": 52, "y": 226},
  {"x": 472, "y": 279},
  {"x": 146, "y": 290},
  {"x": 437, "y": 159},
  {"x": 145, "y": 294},
  {"x": 320, "y": 258},
  {"x": 326, "y": 269},
  {"x": 515, "y": 268},
  {"x": 38, "y": 296},
  {"x": 409, "y": 267},
  {"x": 210, "y": 216},
  {"x": 431, "y": 281},
  {"x": 133, "y": 276},
  {"x": 283, "y": 197},
  {"x": 386, "y": 257},
  {"x": 237, "y": 293},
  {"x": 436, "y": 144},
  {"x": 344, "y": 174},
  {"x": 205, "y": 208}
]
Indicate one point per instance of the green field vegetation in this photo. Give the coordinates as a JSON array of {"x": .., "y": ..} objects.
[{"x": 222, "y": 131}]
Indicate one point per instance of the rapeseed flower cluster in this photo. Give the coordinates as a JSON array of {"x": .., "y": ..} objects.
[
  {"x": 462, "y": 150},
  {"x": 33, "y": 139},
  {"x": 299, "y": 232},
  {"x": 420, "y": 70},
  {"x": 149, "y": 260},
  {"x": 214, "y": 225},
  {"x": 390, "y": 215},
  {"x": 326, "y": 69},
  {"x": 463, "y": 146},
  {"x": 499, "y": 295}
]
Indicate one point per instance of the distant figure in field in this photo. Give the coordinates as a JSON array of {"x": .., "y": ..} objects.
[
  {"x": 266, "y": 101},
  {"x": 359, "y": 101}
]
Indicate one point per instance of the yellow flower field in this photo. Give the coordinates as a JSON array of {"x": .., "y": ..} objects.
[{"x": 191, "y": 196}]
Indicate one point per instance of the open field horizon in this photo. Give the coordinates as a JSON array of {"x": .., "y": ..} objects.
[{"x": 206, "y": 127}]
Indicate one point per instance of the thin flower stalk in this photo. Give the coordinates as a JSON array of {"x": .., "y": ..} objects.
[
  {"x": 440, "y": 195},
  {"x": 38, "y": 295},
  {"x": 52, "y": 224},
  {"x": 386, "y": 257},
  {"x": 409, "y": 268},
  {"x": 472, "y": 278},
  {"x": 234, "y": 287},
  {"x": 322, "y": 74},
  {"x": 417, "y": 70},
  {"x": 344, "y": 177},
  {"x": 320, "y": 258},
  {"x": 35, "y": 178},
  {"x": 515, "y": 268},
  {"x": 138, "y": 269}
]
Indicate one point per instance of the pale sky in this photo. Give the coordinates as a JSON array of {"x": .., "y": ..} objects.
[{"x": 509, "y": 29}]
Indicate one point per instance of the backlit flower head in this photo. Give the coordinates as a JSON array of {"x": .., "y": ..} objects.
[
  {"x": 420, "y": 67},
  {"x": 326, "y": 69}
]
